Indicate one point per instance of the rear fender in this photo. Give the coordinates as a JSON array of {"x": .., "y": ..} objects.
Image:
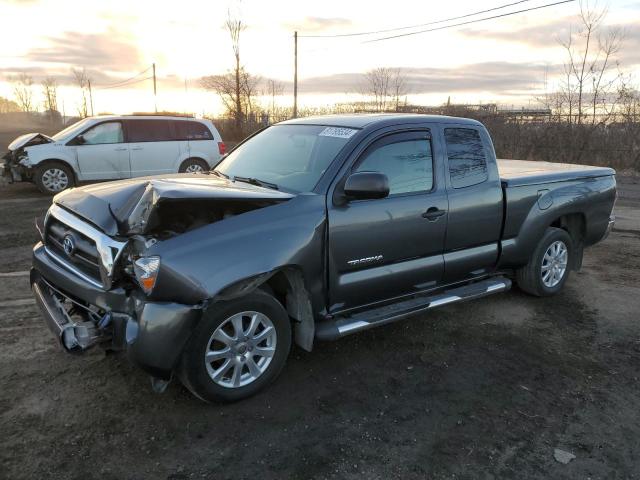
[{"x": 588, "y": 199}]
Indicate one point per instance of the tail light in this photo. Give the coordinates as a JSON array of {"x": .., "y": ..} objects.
[{"x": 222, "y": 148}]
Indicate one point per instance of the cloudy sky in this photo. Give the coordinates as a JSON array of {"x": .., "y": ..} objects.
[{"x": 502, "y": 60}]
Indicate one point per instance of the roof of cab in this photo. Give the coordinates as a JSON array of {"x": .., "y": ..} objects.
[{"x": 362, "y": 120}]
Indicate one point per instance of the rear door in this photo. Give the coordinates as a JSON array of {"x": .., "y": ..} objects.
[
  {"x": 153, "y": 147},
  {"x": 475, "y": 202},
  {"x": 197, "y": 141},
  {"x": 382, "y": 248},
  {"x": 102, "y": 153}
]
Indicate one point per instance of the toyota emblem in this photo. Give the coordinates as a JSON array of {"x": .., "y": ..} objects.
[{"x": 69, "y": 245}]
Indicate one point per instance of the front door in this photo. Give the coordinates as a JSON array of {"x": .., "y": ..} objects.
[
  {"x": 102, "y": 153},
  {"x": 383, "y": 248}
]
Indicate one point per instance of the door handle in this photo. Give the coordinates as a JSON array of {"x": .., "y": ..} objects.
[
  {"x": 121, "y": 149},
  {"x": 433, "y": 213},
  {"x": 136, "y": 148}
]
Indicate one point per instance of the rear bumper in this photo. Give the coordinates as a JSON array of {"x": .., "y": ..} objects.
[{"x": 153, "y": 334}]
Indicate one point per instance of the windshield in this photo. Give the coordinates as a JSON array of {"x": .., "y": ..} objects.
[
  {"x": 76, "y": 126},
  {"x": 293, "y": 157}
]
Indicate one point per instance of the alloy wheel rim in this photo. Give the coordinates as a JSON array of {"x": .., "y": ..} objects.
[
  {"x": 194, "y": 168},
  {"x": 241, "y": 349},
  {"x": 554, "y": 264},
  {"x": 55, "y": 179}
]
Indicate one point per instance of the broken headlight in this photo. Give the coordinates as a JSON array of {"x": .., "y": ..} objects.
[{"x": 146, "y": 270}]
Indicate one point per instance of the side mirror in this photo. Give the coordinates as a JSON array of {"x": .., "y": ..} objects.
[
  {"x": 366, "y": 185},
  {"x": 80, "y": 140}
]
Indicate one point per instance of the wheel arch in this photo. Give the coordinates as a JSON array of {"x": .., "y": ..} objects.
[
  {"x": 48, "y": 161},
  {"x": 192, "y": 157},
  {"x": 287, "y": 285},
  {"x": 575, "y": 224}
]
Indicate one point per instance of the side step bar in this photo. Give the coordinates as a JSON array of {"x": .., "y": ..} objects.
[{"x": 342, "y": 326}]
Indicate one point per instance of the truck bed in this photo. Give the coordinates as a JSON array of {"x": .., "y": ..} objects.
[{"x": 515, "y": 173}]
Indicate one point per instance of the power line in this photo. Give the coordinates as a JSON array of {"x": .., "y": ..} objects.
[
  {"x": 126, "y": 84},
  {"x": 418, "y": 25},
  {"x": 115, "y": 84},
  {"x": 468, "y": 22}
]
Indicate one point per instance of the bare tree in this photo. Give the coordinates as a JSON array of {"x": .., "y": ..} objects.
[
  {"x": 226, "y": 87},
  {"x": 235, "y": 27},
  {"x": 398, "y": 87},
  {"x": 50, "y": 94},
  {"x": 628, "y": 103},
  {"x": 588, "y": 81},
  {"x": 82, "y": 80},
  {"x": 7, "y": 106},
  {"x": 249, "y": 87},
  {"x": 274, "y": 89},
  {"x": 23, "y": 91},
  {"x": 385, "y": 86},
  {"x": 377, "y": 85}
]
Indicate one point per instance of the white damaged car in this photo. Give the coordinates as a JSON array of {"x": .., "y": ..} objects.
[{"x": 110, "y": 147}]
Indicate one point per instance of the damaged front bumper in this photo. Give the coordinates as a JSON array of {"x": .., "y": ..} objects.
[
  {"x": 14, "y": 171},
  {"x": 80, "y": 315}
]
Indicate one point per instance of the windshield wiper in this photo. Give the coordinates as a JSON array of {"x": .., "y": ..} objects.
[
  {"x": 220, "y": 174},
  {"x": 256, "y": 181}
]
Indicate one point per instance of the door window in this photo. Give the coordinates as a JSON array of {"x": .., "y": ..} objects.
[
  {"x": 110, "y": 132},
  {"x": 467, "y": 160},
  {"x": 186, "y": 130},
  {"x": 149, "y": 131},
  {"x": 408, "y": 164}
]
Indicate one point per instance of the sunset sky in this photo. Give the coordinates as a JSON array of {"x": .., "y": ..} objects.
[{"x": 500, "y": 60}]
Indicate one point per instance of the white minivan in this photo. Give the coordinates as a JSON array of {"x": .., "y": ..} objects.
[{"x": 109, "y": 147}]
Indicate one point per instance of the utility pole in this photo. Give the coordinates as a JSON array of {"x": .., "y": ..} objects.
[
  {"x": 155, "y": 99},
  {"x": 295, "y": 74},
  {"x": 90, "y": 95}
]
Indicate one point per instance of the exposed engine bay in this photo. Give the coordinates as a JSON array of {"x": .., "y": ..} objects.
[{"x": 174, "y": 217}]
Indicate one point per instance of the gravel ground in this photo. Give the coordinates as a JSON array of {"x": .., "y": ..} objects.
[{"x": 488, "y": 389}]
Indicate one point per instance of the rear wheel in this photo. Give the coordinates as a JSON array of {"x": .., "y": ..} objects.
[
  {"x": 548, "y": 268},
  {"x": 53, "y": 177},
  {"x": 193, "y": 165},
  {"x": 239, "y": 348}
]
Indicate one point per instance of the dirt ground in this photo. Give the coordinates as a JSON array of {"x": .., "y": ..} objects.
[{"x": 479, "y": 390}]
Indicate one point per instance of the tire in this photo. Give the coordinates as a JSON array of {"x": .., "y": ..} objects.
[
  {"x": 193, "y": 165},
  {"x": 53, "y": 177},
  {"x": 198, "y": 375},
  {"x": 546, "y": 273}
]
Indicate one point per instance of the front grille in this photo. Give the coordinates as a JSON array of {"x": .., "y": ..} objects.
[
  {"x": 85, "y": 255},
  {"x": 90, "y": 254}
]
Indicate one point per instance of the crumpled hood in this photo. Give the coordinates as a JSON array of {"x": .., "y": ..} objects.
[
  {"x": 115, "y": 206},
  {"x": 29, "y": 139}
]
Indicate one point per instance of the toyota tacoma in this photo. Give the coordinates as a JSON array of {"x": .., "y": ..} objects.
[{"x": 309, "y": 230}]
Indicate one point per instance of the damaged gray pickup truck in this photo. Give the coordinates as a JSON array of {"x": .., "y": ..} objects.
[{"x": 310, "y": 230}]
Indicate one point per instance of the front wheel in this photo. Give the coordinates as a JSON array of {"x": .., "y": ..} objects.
[
  {"x": 548, "y": 268},
  {"x": 53, "y": 177},
  {"x": 239, "y": 347}
]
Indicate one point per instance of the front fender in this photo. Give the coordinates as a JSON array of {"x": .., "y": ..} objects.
[
  {"x": 52, "y": 152},
  {"x": 215, "y": 257}
]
